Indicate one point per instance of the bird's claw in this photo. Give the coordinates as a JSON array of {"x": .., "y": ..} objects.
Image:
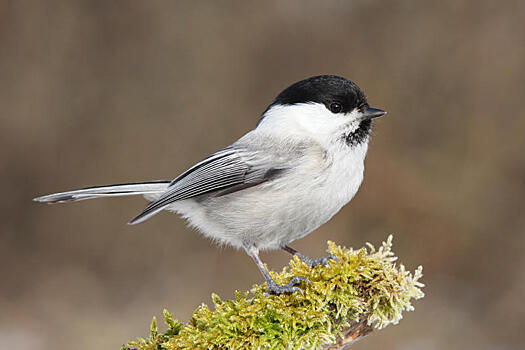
[
  {"x": 277, "y": 289},
  {"x": 313, "y": 262}
]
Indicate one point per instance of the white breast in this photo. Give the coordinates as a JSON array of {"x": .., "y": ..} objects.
[{"x": 315, "y": 200}]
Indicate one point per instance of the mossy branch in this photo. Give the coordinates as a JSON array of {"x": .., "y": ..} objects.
[{"x": 348, "y": 299}]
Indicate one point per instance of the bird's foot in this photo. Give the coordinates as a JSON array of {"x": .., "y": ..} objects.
[
  {"x": 313, "y": 262},
  {"x": 276, "y": 289}
]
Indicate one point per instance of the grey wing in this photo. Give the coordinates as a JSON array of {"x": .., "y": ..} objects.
[{"x": 224, "y": 172}]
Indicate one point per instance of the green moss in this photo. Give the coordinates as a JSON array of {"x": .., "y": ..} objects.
[{"x": 363, "y": 284}]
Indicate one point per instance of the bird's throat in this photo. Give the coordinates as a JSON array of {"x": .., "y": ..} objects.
[{"x": 360, "y": 134}]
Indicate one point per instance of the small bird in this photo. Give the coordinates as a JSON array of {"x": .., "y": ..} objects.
[{"x": 296, "y": 169}]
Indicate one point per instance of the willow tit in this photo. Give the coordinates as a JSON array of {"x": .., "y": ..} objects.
[{"x": 299, "y": 166}]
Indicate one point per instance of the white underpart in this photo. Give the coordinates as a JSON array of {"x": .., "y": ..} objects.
[{"x": 323, "y": 179}]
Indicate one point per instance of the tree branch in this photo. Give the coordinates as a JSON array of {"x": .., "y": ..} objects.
[
  {"x": 351, "y": 334},
  {"x": 348, "y": 299}
]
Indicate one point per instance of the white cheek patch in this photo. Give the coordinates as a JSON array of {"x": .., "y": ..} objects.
[
  {"x": 354, "y": 117},
  {"x": 352, "y": 126},
  {"x": 312, "y": 120},
  {"x": 303, "y": 118},
  {"x": 352, "y": 122},
  {"x": 314, "y": 117}
]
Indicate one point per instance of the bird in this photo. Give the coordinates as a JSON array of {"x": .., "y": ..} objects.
[{"x": 300, "y": 164}]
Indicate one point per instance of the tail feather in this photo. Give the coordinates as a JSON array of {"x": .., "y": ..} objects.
[{"x": 148, "y": 189}]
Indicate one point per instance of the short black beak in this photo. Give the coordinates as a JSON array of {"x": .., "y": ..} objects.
[{"x": 371, "y": 113}]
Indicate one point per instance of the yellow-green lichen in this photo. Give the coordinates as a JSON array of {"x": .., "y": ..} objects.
[{"x": 363, "y": 284}]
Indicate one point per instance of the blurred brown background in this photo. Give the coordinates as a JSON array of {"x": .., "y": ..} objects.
[{"x": 101, "y": 92}]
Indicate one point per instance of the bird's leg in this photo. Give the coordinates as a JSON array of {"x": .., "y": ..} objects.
[
  {"x": 273, "y": 287},
  {"x": 312, "y": 262}
]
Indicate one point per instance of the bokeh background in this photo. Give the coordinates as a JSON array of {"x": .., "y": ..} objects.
[{"x": 101, "y": 92}]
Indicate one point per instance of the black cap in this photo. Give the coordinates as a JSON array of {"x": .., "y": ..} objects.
[{"x": 325, "y": 89}]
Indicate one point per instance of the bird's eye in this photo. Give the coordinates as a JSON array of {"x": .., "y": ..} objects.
[{"x": 336, "y": 107}]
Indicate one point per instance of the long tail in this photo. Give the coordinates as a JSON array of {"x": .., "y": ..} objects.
[{"x": 150, "y": 190}]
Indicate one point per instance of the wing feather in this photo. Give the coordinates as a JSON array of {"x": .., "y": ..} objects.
[{"x": 222, "y": 171}]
